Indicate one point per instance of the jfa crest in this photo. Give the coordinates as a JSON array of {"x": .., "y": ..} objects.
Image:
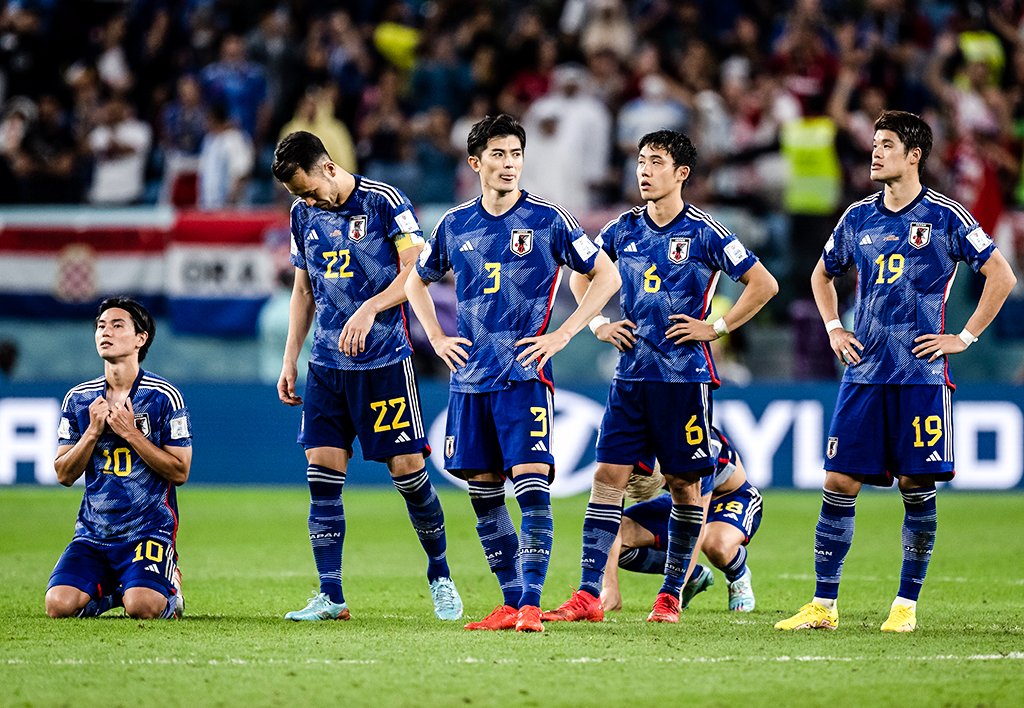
[
  {"x": 449, "y": 445},
  {"x": 142, "y": 423},
  {"x": 522, "y": 241},
  {"x": 920, "y": 234},
  {"x": 832, "y": 447},
  {"x": 678, "y": 249},
  {"x": 357, "y": 228}
]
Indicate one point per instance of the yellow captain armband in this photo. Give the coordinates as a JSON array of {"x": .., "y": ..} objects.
[{"x": 406, "y": 241}]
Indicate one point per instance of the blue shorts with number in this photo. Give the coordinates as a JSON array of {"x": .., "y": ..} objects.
[
  {"x": 740, "y": 508},
  {"x": 99, "y": 570},
  {"x": 670, "y": 421},
  {"x": 881, "y": 431},
  {"x": 494, "y": 431},
  {"x": 379, "y": 406}
]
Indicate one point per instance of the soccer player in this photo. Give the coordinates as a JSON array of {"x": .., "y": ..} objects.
[
  {"x": 128, "y": 432},
  {"x": 506, "y": 249},
  {"x": 893, "y": 415},
  {"x": 670, "y": 255},
  {"x": 354, "y": 242},
  {"x": 733, "y": 519}
]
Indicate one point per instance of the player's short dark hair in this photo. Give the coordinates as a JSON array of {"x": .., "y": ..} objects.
[
  {"x": 298, "y": 150},
  {"x": 141, "y": 319},
  {"x": 678, "y": 145},
  {"x": 912, "y": 131},
  {"x": 489, "y": 127}
]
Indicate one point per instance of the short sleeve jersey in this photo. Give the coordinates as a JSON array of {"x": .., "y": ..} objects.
[
  {"x": 906, "y": 262},
  {"x": 507, "y": 270},
  {"x": 124, "y": 499},
  {"x": 351, "y": 254},
  {"x": 670, "y": 270}
]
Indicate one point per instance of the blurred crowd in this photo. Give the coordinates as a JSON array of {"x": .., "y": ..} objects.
[{"x": 182, "y": 101}]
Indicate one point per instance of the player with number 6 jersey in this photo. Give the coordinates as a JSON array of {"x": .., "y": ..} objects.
[
  {"x": 354, "y": 242},
  {"x": 893, "y": 417},
  {"x": 669, "y": 254},
  {"x": 128, "y": 432}
]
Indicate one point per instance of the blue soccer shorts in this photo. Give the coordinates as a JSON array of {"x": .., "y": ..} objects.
[
  {"x": 99, "y": 570},
  {"x": 494, "y": 431},
  {"x": 740, "y": 508},
  {"x": 379, "y": 406},
  {"x": 883, "y": 431},
  {"x": 670, "y": 421}
]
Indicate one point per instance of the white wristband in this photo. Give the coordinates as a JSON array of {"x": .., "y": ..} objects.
[
  {"x": 833, "y": 324},
  {"x": 597, "y": 322},
  {"x": 967, "y": 338},
  {"x": 721, "y": 329}
]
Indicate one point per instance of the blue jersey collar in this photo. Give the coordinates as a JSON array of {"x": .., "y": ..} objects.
[
  {"x": 491, "y": 217},
  {"x": 880, "y": 204},
  {"x": 670, "y": 225}
]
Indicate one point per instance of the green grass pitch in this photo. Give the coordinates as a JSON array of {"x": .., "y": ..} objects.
[{"x": 247, "y": 561}]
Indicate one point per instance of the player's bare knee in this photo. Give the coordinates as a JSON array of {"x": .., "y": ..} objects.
[
  {"x": 144, "y": 604},
  {"x": 61, "y": 604},
  {"x": 718, "y": 550},
  {"x": 401, "y": 465},
  {"x": 614, "y": 476}
]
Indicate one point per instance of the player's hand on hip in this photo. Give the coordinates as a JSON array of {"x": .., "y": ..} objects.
[
  {"x": 99, "y": 409},
  {"x": 690, "y": 329},
  {"x": 286, "y": 385},
  {"x": 619, "y": 334},
  {"x": 542, "y": 347},
  {"x": 352, "y": 340},
  {"x": 935, "y": 345},
  {"x": 845, "y": 346},
  {"x": 451, "y": 351}
]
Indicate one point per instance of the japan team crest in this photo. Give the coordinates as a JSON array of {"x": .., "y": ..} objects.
[
  {"x": 357, "y": 228},
  {"x": 449, "y": 445},
  {"x": 832, "y": 448},
  {"x": 522, "y": 241},
  {"x": 678, "y": 249},
  {"x": 142, "y": 423},
  {"x": 920, "y": 234}
]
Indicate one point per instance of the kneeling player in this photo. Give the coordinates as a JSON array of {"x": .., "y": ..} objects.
[
  {"x": 732, "y": 520},
  {"x": 128, "y": 432}
]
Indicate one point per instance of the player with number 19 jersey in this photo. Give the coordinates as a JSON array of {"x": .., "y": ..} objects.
[
  {"x": 124, "y": 500},
  {"x": 906, "y": 262},
  {"x": 351, "y": 254},
  {"x": 507, "y": 270},
  {"x": 670, "y": 270}
]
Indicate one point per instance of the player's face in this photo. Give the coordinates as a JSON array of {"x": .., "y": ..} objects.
[
  {"x": 317, "y": 189},
  {"x": 889, "y": 157},
  {"x": 658, "y": 175},
  {"x": 116, "y": 337},
  {"x": 500, "y": 164}
]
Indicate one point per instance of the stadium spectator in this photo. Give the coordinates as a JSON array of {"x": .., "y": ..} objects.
[
  {"x": 129, "y": 433},
  {"x": 225, "y": 162},
  {"x": 182, "y": 129},
  {"x": 240, "y": 85},
  {"x": 315, "y": 114},
  {"x": 120, "y": 146}
]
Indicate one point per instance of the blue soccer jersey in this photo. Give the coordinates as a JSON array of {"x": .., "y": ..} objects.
[
  {"x": 351, "y": 254},
  {"x": 670, "y": 270},
  {"x": 906, "y": 262},
  {"x": 507, "y": 269},
  {"x": 124, "y": 500}
]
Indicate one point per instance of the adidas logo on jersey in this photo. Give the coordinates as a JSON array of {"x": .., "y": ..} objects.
[
  {"x": 540, "y": 447},
  {"x": 404, "y": 437},
  {"x": 866, "y": 240},
  {"x": 699, "y": 455},
  {"x": 312, "y": 236},
  {"x": 152, "y": 568},
  {"x": 934, "y": 457},
  {"x": 631, "y": 248},
  {"x": 467, "y": 246}
]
